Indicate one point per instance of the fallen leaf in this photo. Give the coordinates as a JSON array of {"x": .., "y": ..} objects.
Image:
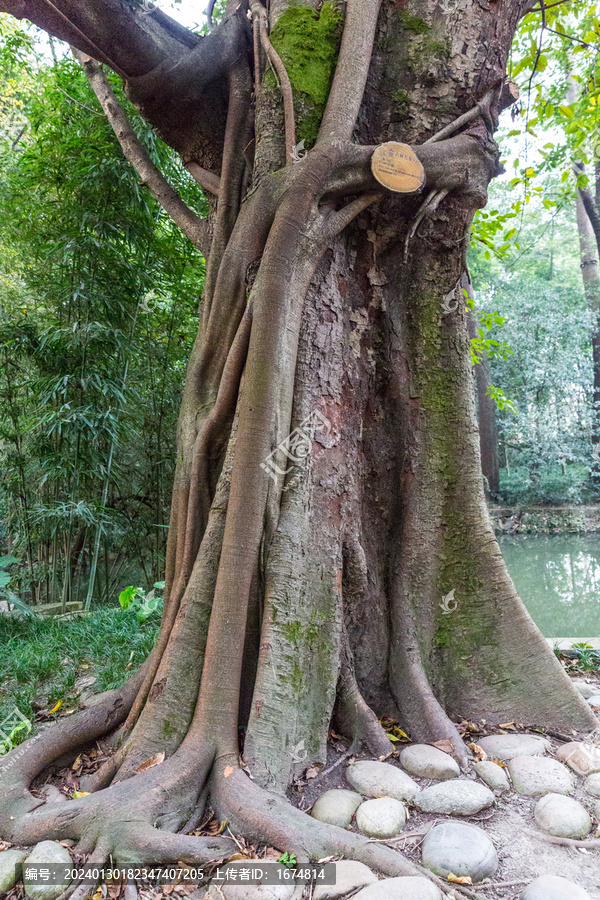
[
  {"x": 55, "y": 708},
  {"x": 228, "y": 771},
  {"x": 77, "y": 763},
  {"x": 150, "y": 763},
  {"x": 455, "y": 879},
  {"x": 97, "y": 895},
  {"x": 507, "y": 725},
  {"x": 313, "y": 771},
  {"x": 478, "y": 751},
  {"x": 446, "y": 746},
  {"x": 77, "y": 795}
]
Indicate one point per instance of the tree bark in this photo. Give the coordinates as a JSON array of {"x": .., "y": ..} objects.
[
  {"x": 591, "y": 286},
  {"x": 486, "y": 418},
  {"x": 328, "y": 490}
]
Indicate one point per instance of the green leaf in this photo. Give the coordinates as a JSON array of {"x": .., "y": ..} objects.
[
  {"x": 8, "y": 561},
  {"x": 126, "y": 597},
  {"x": 5, "y": 579},
  {"x": 20, "y": 604}
]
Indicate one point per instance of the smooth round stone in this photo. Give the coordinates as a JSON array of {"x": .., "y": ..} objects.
[
  {"x": 9, "y": 860},
  {"x": 459, "y": 797},
  {"x": 592, "y": 784},
  {"x": 49, "y": 852},
  {"x": 586, "y": 690},
  {"x": 464, "y": 850},
  {"x": 425, "y": 761},
  {"x": 553, "y": 887},
  {"x": 379, "y": 779},
  {"x": 535, "y": 776},
  {"x": 336, "y": 807},
  {"x": 594, "y": 700},
  {"x": 349, "y": 876},
  {"x": 53, "y": 795},
  {"x": 563, "y": 817},
  {"x": 505, "y": 746},
  {"x": 411, "y": 887},
  {"x": 224, "y": 891},
  {"x": 492, "y": 774},
  {"x": 583, "y": 758},
  {"x": 381, "y": 818}
]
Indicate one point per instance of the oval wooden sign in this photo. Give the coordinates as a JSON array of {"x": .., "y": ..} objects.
[{"x": 397, "y": 168}]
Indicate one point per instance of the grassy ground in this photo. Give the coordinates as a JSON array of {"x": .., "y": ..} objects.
[{"x": 42, "y": 660}]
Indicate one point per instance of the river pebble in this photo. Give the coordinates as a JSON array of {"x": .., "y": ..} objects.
[
  {"x": 583, "y": 758},
  {"x": 9, "y": 860},
  {"x": 535, "y": 776},
  {"x": 563, "y": 817},
  {"x": 464, "y": 850},
  {"x": 379, "y": 779},
  {"x": 336, "y": 807},
  {"x": 381, "y": 818},
  {"x": 48, "y": 852},
  {"x": 459, "y": 797},
  {"x": 349, "y": 876},
  {"x": 425, "y": 761},
  {"x": 506, "y": 746},
  {"x": 553, "y": 887},
  {"x": 492, "y": 774}
]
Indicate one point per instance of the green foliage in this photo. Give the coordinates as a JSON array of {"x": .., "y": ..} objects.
[
  {"x": 143, "y": 604},
  {"x": 98, "y": 311},
  {"x": 538, "y": 293},
  {"x": 308, "y": 43},
  {"x": 587, "y": 658},
  {"x": 287, "y": 859},
  {"x": 41, "y": 658},
  {"x": 15, "y": 737}
]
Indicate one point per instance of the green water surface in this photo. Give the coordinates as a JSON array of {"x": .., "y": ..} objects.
[{"x": 558, "y": 578}]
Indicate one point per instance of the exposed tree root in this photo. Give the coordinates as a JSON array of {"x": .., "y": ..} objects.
[
  {"x": 262, "y": 816},
  {"x": 591, "y": 844},
  {"x": 353, "y": 715}
]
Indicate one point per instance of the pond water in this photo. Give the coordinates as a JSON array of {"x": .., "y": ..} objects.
[{"x": 558, "y": 578}]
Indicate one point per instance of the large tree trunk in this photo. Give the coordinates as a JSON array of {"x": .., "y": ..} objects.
[{"x": 311, "y": 585}]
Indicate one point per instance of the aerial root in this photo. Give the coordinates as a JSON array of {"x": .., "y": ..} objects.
[{"x": 265, "y": 817}]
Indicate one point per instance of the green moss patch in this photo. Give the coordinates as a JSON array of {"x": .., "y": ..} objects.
[{"x": 308, "y": 43}]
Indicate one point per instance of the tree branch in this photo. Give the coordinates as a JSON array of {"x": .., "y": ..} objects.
[
  {"x": 335, "y": 222},
  {"x": 208, "y": 181},
  {"x": 190, "y": 224},
  {"x": 131, "y": 43},
  {"x": 351, "y": 72}
]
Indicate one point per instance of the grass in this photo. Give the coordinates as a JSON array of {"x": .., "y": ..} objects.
[{"x": 41, "y": 659}]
